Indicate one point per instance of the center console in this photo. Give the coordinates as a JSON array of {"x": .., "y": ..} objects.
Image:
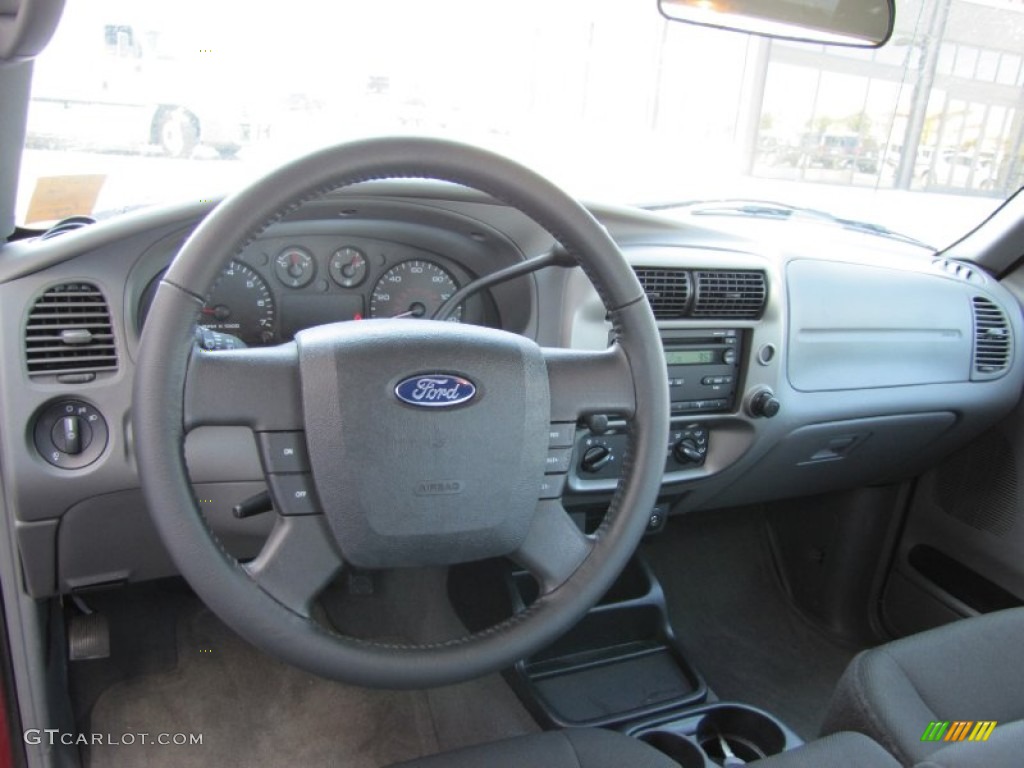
[
  {"x": 704, "y": 369},
  {"x": 621, "y": 667}
]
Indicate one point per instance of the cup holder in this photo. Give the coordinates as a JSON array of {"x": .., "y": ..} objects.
[
  {"x": 679, "y": 748},
  {"x": 739, "y": 732}
]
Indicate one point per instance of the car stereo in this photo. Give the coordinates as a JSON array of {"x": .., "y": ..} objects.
[{"x": 703, "y": 368}]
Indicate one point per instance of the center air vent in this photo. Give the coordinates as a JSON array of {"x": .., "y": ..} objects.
[
  {"x": 668, "y": 291},
  {"x": 738, "y": 295},
  {"x": 992, "y": 341},
  {"x": 69, "y": 333}
]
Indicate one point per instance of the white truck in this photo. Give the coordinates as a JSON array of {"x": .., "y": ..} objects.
[{"x": 95, "y": 85}]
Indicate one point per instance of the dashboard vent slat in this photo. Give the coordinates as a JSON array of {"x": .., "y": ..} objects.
[
  {"x": 738, "y": 295},
  {"x": 668, "y": 291},
  {"x": 69, "y": 331},
  {"x": 959, "y": 270},
  {"x": 993, "y": 343}
]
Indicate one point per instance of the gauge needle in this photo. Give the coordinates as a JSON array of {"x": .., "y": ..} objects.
[{"x": 416, "y": 310}]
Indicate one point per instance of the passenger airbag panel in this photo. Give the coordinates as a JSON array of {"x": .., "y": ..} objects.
[{"x": 861, "y": 327}]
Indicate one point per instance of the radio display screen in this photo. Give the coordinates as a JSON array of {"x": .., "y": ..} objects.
[{"x": 689, "y": 356}]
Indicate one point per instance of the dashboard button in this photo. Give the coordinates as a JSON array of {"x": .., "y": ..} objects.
[
  {"x": 551, "y": 487},
  {"x": 562, "y": 435},
  {"x": 284, "y": 452},
  {"x": 558, "y": 460},
  {"x": 293, "y": 494}
]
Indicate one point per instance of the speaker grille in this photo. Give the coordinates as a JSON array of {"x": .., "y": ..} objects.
[{"x": 978, "y": 485}]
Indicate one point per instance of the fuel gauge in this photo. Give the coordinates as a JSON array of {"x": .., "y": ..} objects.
[
  {"x": 348, "y": 267},
  {"x": 295, "y": 267}
]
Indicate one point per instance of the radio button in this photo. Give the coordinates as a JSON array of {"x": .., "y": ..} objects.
[{"x": 729, "y": 356}]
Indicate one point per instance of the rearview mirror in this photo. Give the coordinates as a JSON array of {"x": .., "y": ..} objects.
[{"x": 859, "y": 23}]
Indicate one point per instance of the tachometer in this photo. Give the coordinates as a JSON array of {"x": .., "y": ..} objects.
[
  {"x": 414, "y": 288},
  {"x": 241, "y": 304}
]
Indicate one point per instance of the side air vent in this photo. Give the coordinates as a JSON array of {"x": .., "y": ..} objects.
[
  {"x": 69, "y": 333},
  {"x": 959, "y": 270},
  {"x": 992, "y": 342},
  {"x": 668, "y": 291},
  {"x": 729, "y": 294}
]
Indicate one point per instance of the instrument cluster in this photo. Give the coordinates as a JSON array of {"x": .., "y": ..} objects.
[{"x": 279, "y": 286}]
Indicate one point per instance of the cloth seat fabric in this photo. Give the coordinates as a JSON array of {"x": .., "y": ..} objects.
[
  {"x": 572, "y": 748},
  {"x": 971, "y": 670}
]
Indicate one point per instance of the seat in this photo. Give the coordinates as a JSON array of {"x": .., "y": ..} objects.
[
  {"x": 573, "y": 748},
  {"x": 839, "y": 750},
  {"x": 971, "y": 670},
  {"x": 595, "y": 748}
]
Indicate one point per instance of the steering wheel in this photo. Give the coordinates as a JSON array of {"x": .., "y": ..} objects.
[{"x": 412, "y": 442}]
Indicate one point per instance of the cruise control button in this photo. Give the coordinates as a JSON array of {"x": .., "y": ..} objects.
[
  {"x": 293, "y": 494},
  {"x": 551, "y": 487},
  {"x": 562, "y": 435},
  {"x": 558, "y": 460},
  {"x": 284, "y": 452}
]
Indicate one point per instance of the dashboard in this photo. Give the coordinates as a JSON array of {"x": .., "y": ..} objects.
[{"x": 793, "y": 369}]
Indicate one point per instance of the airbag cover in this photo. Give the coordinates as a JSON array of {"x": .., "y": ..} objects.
[{"x": 405, "y": 477}]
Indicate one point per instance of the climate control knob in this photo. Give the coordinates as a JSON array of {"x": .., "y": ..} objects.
[{"x": 686, "y": 451}]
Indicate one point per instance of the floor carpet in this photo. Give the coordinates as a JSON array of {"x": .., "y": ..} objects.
[
  {"x": 252, "y": 710},
  {"x": 728, "y": 608}
]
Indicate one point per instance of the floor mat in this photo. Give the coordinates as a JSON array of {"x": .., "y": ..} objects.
[
  {"x": 728, "y": 608},
  {"x": 253, "y": 710}
]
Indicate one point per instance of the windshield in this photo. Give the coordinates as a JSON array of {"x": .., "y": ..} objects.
[{"x": 143, "y": 103}]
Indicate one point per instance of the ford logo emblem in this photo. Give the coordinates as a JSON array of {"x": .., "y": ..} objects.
[{"x": 435, "y": 390}]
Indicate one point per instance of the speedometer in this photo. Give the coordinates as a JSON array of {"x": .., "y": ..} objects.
[
  {"x": 240, "y": 303},
  {"x": 414, "y": 288}
]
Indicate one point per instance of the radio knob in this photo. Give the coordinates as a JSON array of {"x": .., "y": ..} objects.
[
  {"x": 765, "y": 404},
  {"x": 595, "y": 458},
  {"x": 687, "y": 452}
]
